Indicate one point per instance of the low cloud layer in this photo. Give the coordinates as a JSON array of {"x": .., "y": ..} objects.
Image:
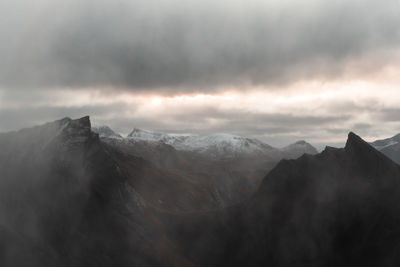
[{"x": 182, "y": 46}]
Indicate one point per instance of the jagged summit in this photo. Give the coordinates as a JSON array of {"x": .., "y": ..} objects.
[{"x": 364, "y": 152}]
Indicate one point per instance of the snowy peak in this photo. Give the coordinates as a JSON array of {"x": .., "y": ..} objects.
[
  {"x": 219, "y": 145},
  {"x": 149, "y": 136},
  {"x": 223, "y": 145},
  {"x": 105, "y": 131}
]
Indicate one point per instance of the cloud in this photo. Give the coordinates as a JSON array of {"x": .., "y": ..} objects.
[{"x": 180, "y": 46}]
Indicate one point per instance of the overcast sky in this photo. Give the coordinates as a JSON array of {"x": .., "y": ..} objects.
[{"x": 276, "y": 70}]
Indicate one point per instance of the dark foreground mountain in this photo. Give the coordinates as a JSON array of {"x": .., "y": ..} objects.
[
  {"x": 338, "y": 208},
  {"x": 69, "y": 199}
]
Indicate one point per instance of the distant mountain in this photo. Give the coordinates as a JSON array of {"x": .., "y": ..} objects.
[
  {"x": 223, "y": 146},
  {"x": 229, "y": 166},
  {"x": 390, "y": 147},
  {"x": 218, "y": 146},
  {"x": 105, "y": 131},
  {"x": 337, "y": 208},
  {"x": 298, "y": 149},
  {"x": 222, "y": 181}
]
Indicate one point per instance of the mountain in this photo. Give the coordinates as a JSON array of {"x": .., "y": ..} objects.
[
  {"x": 70, "y": 198},
  {"x": 66, "y": 201},
  {"x": 298, "y": 149},
  {"x": 217, "y": 146},
  {"x": 337, "y": 208},
  {"x": 223, "y": 146},
  {"x": 390, "y": 147},
  {"x": 105, "y": 131},
  {"x": 227, "y": 168},
  {"x": 220, "y": 182}
]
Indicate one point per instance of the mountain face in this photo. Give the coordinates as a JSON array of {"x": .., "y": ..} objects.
[
  {"x": 337, "y": 208},
  {"x": 390, "y": 147}
]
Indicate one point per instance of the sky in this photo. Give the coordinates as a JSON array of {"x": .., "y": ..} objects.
[{"x": 279, "y": 71}]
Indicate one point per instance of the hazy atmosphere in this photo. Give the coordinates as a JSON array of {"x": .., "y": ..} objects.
[{"x": 279, "y": 71}]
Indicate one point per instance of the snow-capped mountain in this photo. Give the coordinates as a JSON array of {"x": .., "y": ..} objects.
[
  {"x": 218, "y": 145},
  {"x": 143, "y": 135},
  {"x": 222, "y": 145},
  {"x": 105, "y": 131},
  {"x": 390, "y": 147}
]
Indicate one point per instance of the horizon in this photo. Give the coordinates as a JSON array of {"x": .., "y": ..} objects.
[{"x": 319, "y": 147}]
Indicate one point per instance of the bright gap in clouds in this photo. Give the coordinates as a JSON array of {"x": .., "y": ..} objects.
[{"x": 320, "y": 112}]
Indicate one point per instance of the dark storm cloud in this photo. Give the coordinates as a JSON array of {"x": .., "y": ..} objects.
[{"x": 189, "y": 46}]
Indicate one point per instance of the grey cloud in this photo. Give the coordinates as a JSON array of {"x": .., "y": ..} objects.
[
  {"x": 175, "y": 45},
  {"x": 390, "y": 114}
]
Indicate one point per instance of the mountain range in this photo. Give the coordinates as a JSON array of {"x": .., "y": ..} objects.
[
  {"x": 73, "y": 197},
  {"x": 216, "y": 146},
  {"x": 223, "y": 169}
]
